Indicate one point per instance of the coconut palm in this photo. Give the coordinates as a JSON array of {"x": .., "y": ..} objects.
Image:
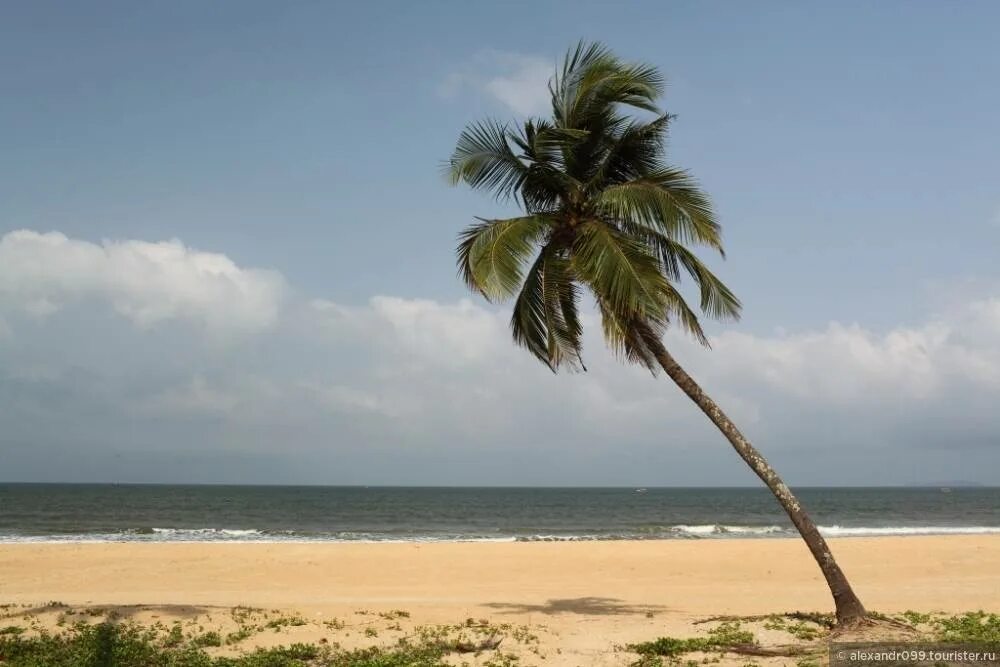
[{"x": 604, "y": 213}]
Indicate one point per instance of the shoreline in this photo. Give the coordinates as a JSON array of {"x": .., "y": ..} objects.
[
  {"x": 680, "y": 533},
  {"x": 320, "y": 543}
]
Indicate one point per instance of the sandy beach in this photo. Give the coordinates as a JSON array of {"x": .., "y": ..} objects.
[{"x": 585, "y": 597}]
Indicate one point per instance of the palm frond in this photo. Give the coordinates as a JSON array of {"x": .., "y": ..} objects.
[
  {"x": 562, "y": 298},
  {"x": 484, "y": 160},
  {"x": 546, "y": 183},
  {"x": 563, "y": 86},
  {"x": 631, "y": 153},
  {"x": 620, "y": 271},
  {"x": 541, "y": 141},
  {"x": 682, "y": 313},
  {"x": 492, "y": 253},
  {"x": 717, "y": 300},
  {"x": 667, "y": 200},
  {"x": 527, "y": 320},
  {"x": 623, "y": 339},
  {"x": 593, "y": 80},
  {"x": 545, "y": 319}
]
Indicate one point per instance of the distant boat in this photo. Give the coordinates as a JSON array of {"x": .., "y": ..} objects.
[
  {"x": 640, "y": 490},
  {"x": 945, "y": 489}
]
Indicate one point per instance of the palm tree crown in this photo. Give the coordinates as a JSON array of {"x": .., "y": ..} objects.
[{"x": 602, "y": 211}]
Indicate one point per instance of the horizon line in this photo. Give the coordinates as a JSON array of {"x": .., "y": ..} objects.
[{"x": 923, "y": 485}]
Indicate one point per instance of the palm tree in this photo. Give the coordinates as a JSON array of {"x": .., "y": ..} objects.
[{"x": 603, "y": 212}]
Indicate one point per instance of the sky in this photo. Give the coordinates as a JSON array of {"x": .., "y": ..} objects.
[{"x": 226, "y": 245}]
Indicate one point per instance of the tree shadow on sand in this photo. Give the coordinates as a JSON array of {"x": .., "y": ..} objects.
[{"x": 590, "y": 606}]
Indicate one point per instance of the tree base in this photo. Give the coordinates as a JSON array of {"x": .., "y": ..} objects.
[{"x": 870, "y": 629}]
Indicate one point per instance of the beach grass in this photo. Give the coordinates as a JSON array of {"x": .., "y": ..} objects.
[
  {"x": 129, "y": 645},
  {"x": 56, "y": 635},
  {"x": 98, "y": 637},
  {"x": 808, "y": 635}
]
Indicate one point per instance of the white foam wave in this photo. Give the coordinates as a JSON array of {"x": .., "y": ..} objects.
[
  {"x": 563, "y": 538},
  {"x": 717, "y": 530},
  {"x": 207, "y": 533},
  {"x": 247, "y": 536},
  {"x": 876, "y": 531}
]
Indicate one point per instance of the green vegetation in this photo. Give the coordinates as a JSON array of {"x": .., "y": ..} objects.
[
  {"x": 727, "y": 635},
  {"x": 284, "y": 622},
  {"x": 110, "y": 642},
  {"x": 810, "y": 629},
  {"x": 916, "y": 618},
  {"x": 237, "y": 636},
  {"x": 394, "y": 614},
  {"x": 469, "y": 636},
  {"x": 128, "y": 645},
  {"x": 207, "y": 639},
  {"x": 971, "y": 627},
  {"x": 200, "y": 642},
  {"x": 175, "y": 636},
  {"x": 800, "y": 629}
]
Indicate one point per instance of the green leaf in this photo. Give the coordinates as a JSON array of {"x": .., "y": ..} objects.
[
  {"x": 717, "y": 300},
  {"x": 631, "y": 153},
  {"x": 484, "y": 159},
  {"x": 593, "y": 80},
  {"x": 668, "y": 201},
  {"x": 491, "y": 254},
  {"x": 623, "y": 337},
  {"x": 682, "y": 312},
  {"x": 545, "y": 318},
  {"x": 620, "y": 271}
]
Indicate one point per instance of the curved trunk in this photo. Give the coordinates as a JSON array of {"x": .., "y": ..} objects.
[{"x": 848, "y": 606}]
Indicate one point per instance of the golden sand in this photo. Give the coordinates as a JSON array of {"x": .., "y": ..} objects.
[{"x": 587, "y": 596}]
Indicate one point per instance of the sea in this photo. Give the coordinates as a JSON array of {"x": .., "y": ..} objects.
[{"x": 169, "y": 513}]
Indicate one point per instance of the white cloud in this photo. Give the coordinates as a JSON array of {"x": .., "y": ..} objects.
[
  {"x": 429, "y": 380},
  {"x": 347, "y": 399},
  {"x": 195, "y": 397},
  {"x": 524, "y": 88},
  {"x": 145, "y": 282},
  {"x": 455, "y": 363},
  {"x": 519, "y": 82}
]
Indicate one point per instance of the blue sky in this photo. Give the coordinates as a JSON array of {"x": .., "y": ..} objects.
[{"x": 851, "y": 148}]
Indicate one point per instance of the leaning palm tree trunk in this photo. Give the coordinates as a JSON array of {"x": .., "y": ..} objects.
[{"x": 848, "y": 607}]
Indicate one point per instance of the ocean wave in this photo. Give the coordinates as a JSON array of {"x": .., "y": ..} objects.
[
  {"x": 717, "y": 530},
  {"x": 569, "y": 538},
  {"x": 208, "y": 533},
  {"x": 680, "y": 531},
  {"x": 665, "y": 533},
  {"x": 879, "y": 531},
  {"x": 239, "y": 535}
]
